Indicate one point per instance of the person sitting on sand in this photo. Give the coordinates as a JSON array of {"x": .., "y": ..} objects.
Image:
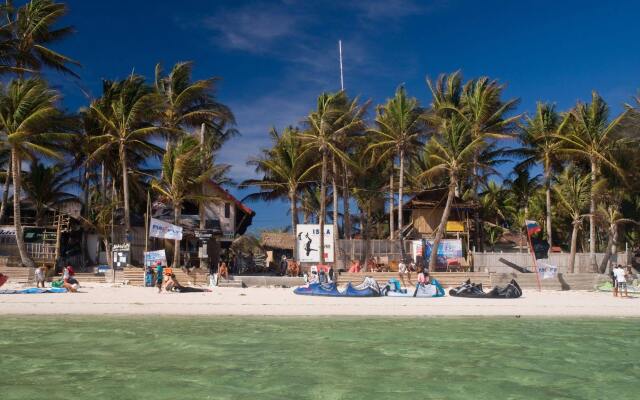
[
  {"x": 223, "y": 271},
  {"x": 69, "y": 281}
]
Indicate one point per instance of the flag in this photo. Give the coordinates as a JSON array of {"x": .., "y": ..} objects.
[{"x": 532, "y": 227}]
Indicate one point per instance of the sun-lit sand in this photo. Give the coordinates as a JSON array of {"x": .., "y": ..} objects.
[{"x": 127, "y": 300}]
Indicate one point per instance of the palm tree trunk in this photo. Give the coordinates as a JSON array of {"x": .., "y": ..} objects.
[
  {"x": 323, "y": 208},
  {"x": 177, "y": 210},
  {"x": 125, "y": 189},
  {"x": 5, "y": 192},
  {"x": 24, "y": 255},
  {"x": 592, "y": 217},
  {"x": 107, "y": 250},
  {"x": 476, "y": 210},
  {"x": 294, "y": 219},
  {"x": 610, "y": 245},
  {"x": 334, "y": 185},
  {"x": 346, "y": 218},
  {"x": 103, "y": 182},
  {"x": 391, "y": 217},
  {"x": 574, "y": 245},
  {"x": 400, "y": 194},
  {"x": 547, "y": 184},
  {"x": 443, "y": 224}
]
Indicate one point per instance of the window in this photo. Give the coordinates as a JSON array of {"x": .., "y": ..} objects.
[{"x": 227, "y": 210}]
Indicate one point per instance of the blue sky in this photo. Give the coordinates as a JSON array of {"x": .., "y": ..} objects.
[{"x": 275, "y": 57}]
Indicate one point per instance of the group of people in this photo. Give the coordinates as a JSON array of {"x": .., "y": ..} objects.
[
  {"x": 619, "y": 277},
  {"x": 68, "y": 281},
  {"x": 166, "y": 280}
]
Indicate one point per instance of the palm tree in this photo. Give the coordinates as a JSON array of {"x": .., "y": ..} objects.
[
  {"x": 573, "y": 192},
  {"x": 335, "y": 117},
  {"x": 29, "y": 120},
  {"x": 590, "y": 135},
  {"x": 539, "y": 136},
  {"x": 126, "y": 119},
  {"x": 189, "y": 104},
  {"x": 47, "y": 187},
  {"x": 451, "y": 152},
  {"x": 182, "y": 178},
  {"x": 100, "y": 220},
  {"x": 522, "y": 188},
  {"x": 613, "y": 218},
  {"x": 399, "y": 129},
  {"x": 27, "y": 35},
  {"x": 286, "y": 166},
  {"x": 5, "y": 159}
]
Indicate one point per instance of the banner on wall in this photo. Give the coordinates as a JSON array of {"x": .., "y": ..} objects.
[
  {"x": 546, "y": 270},
  {"x": 308, "y": 243},
  {"x": 448, "y": 249},
  {"x": 164, "y": 230}
]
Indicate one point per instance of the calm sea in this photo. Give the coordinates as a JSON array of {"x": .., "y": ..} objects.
[{"x": 318, "y": 358}]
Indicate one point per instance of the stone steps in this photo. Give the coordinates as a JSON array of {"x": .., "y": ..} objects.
[
  {"x": 18, "y": 274},
  {"x": 445, "y": 278}
]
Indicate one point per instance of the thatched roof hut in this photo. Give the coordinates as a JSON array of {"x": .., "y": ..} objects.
[{"x": 277, "y": 241}]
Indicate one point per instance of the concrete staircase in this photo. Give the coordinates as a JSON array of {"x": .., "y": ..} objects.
[
  {"x": 581, "y": 281},
  {"x": 19, "y": 275}
]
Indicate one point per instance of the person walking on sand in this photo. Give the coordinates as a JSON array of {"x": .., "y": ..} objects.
[
  {"x": 159, "y": 275},
  {"x": 40, "y": 276},
  {"x": 621, "y": 280}
]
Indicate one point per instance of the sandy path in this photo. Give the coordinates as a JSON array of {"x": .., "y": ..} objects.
[{"x": 282, "y": 302}]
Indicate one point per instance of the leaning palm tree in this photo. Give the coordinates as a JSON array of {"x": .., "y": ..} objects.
[
  {"x": 126, "y": 123},
  {"x": 613, "y": 217},
  {"x": 400, "y": 126},
  {"x": 573, "y": 192},
  {"x": 28, "y": 120},
  {"x": 335, "y": 116},
  {"x": 450, "y": 152},
  {"x": 589, "y": 134},
  {"x": 541, "y": 144},
  {"x": 182, "y": 178},
  {"x": 28, "y": 33},
  {"x": 48, "y": 187},
  {"x": 286, "y": 166}
]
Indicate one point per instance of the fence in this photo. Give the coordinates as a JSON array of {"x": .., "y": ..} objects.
[
  {"x": 360, "y": 249},
  {"x": 495, "y": 262}
]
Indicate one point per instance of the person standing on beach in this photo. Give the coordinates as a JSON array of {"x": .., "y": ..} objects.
[
  {"x": 621, "y": 280},
  {"x": 159, "y": 275},
  {"x": 403, "y": 272}
]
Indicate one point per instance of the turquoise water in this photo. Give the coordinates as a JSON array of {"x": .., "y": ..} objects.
[{"x": 318, "y": 358}]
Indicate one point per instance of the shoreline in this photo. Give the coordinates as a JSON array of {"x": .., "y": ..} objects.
[{"x": 281, "y": 302}]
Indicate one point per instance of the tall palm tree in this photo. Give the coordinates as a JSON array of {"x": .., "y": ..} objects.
[
  {"x": 589, "y": 134},
  {"x": 29, "y": 120},
  {"x": 335, "y": 116},
  {"x": 27, "y": 34},
  {"x": 126, "y": 121},
  {"x": 400, "y": 127},
  {"x": 539, "y": 136},
  {"x": 5, "y": 159},
  {"x": 189, "y": 104},
  {"x": 573, "y": 192},
  {"x": 450, "y": 152},
  {"x": 182, "y": 178},
  {"x": 48, "y": 187},
  {"x": 286, "y": 166}
]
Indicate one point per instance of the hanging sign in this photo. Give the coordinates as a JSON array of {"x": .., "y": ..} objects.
[
  {"x": 121, "y": 255},
  {"x": 164, "y": 230}
]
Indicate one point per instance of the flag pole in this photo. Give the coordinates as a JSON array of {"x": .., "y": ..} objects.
[
  {"x": 341, "y": 76},
  {"x": 533, "y": 257}
]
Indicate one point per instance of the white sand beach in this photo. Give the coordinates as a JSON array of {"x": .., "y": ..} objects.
[{"x": 101, "y": 299}]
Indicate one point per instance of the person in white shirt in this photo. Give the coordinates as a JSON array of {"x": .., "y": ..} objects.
[
  {"x": 621, "y": 280},
  {"x": 404, "y": 271}
]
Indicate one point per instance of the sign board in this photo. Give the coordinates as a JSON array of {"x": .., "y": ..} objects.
[
  {"x": 121, "y": 255},
  {"x": 546, "y": 270},
  {"x": 448, "y": 249},
  {"x": 7, "y": 232},
  {"x": 164, "y": 230},
  {"x": 203, "y": 234},
  {"x": 152, "y": 257},
  {"x": 308, "y": 243}
]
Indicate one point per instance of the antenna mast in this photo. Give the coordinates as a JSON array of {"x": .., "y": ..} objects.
[{"x": 341, "y": 77}]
